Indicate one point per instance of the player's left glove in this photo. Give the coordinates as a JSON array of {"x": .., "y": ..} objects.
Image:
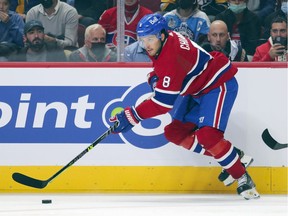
[{"x": 127, "y": 119}]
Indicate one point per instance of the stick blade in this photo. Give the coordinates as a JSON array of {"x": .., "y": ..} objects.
[
  {"x": 271, "y": 142},
  {"x": 28, "y": 181}
]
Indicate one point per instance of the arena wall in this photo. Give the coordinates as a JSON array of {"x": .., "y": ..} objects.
[{"x": 49, "y": 113}]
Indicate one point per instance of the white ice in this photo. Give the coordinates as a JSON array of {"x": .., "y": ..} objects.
[{"x": 142, "y": 205}]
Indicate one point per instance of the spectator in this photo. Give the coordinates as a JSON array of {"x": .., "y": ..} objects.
[
  {"x": 95, "y": 48},
  {"x": 275, "y": 49},
  {"x": 167, "y": 5},
  {"x": 133, "y": 13},
  {"x": 36, "y": 49},
  {"x": 60, "y": 21},
  {"x": 219, "y": 40},
  {"x": 243, "y": 25},
  {"x": 135, "y": 53},
  {"x": 262, "y": 8},
  {"x": 11, "y": 25},
  {"x": 188, "y": 20},
  {"x": 281, "y": 11}
]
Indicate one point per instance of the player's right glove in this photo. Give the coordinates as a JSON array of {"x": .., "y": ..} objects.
[
  {"x": 126, "y": 119},
  {"x": 152, "y": 79}
]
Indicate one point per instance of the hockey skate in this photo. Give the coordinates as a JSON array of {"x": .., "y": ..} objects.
[
  {"x": 225, "y": 177},
  {"x": 246, "y": 187}
]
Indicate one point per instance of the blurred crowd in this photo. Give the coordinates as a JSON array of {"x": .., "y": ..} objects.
[{"x": 86, "y": 30}]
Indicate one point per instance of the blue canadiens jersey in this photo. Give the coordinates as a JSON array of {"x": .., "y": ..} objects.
[{"x": 192, "y": 27}]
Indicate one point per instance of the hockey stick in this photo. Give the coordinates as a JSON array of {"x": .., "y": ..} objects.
[
  {"x": 272, "y": 143},
  {"x": 36, "y": 183}
]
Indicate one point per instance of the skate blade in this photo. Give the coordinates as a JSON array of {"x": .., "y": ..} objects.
[{"x": 250, "y": 194}]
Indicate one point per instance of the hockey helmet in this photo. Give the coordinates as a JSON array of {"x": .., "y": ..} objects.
[{"x": 151, "y": 24}]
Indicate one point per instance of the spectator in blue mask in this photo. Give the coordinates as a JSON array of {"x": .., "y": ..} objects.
[{"x": 243, "y": 25}]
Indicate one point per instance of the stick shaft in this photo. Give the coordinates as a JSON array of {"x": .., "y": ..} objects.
[
  {"x": 36, "y": 183},
  {"x": 90, "y": 147}
]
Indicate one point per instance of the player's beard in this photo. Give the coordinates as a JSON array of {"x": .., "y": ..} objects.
[{"x": 36, "y": 45}]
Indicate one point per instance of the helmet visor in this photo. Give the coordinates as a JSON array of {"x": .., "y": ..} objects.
[{"x": 147, "y": 41}]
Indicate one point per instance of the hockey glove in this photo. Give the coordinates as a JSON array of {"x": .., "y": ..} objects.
[
  {"x": 127, "y": 119},
  {"x": 152, "y": 80}
]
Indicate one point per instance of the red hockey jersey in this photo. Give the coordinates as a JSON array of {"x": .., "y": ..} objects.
[
  {"x": 109, "y": 21},
  {"x": 184, "y": 68}
]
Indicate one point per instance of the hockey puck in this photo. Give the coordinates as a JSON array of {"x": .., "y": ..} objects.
[{"x": 46, "y": 201}]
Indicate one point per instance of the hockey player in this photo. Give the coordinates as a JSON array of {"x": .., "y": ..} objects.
[{"x": 209, "y": 88}]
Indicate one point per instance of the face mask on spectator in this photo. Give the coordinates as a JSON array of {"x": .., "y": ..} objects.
[
  {"x": 284, "y": 6},
  {"x": 237, "y": 8},
  {"x": 47, "y": 3},
  {"x": 97, "y": 48}
]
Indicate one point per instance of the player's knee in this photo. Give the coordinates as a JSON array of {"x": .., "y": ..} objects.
[
  {"x": 177, "y": 131},
  {"x": 209, "y": 136}
]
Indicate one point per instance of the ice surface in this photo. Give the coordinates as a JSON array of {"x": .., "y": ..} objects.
[{"x": 141, "y": 205}]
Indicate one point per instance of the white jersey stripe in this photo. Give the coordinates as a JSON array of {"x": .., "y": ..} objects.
[
  {"x": 219, "y": 106},
  {"x": 215, "y": 76},
  {"x": 167, "y": 92},
  {"x": 161, "y": 104},
  {"x": 193, "y": 78},
  {"x": 196, "y": 63}
]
